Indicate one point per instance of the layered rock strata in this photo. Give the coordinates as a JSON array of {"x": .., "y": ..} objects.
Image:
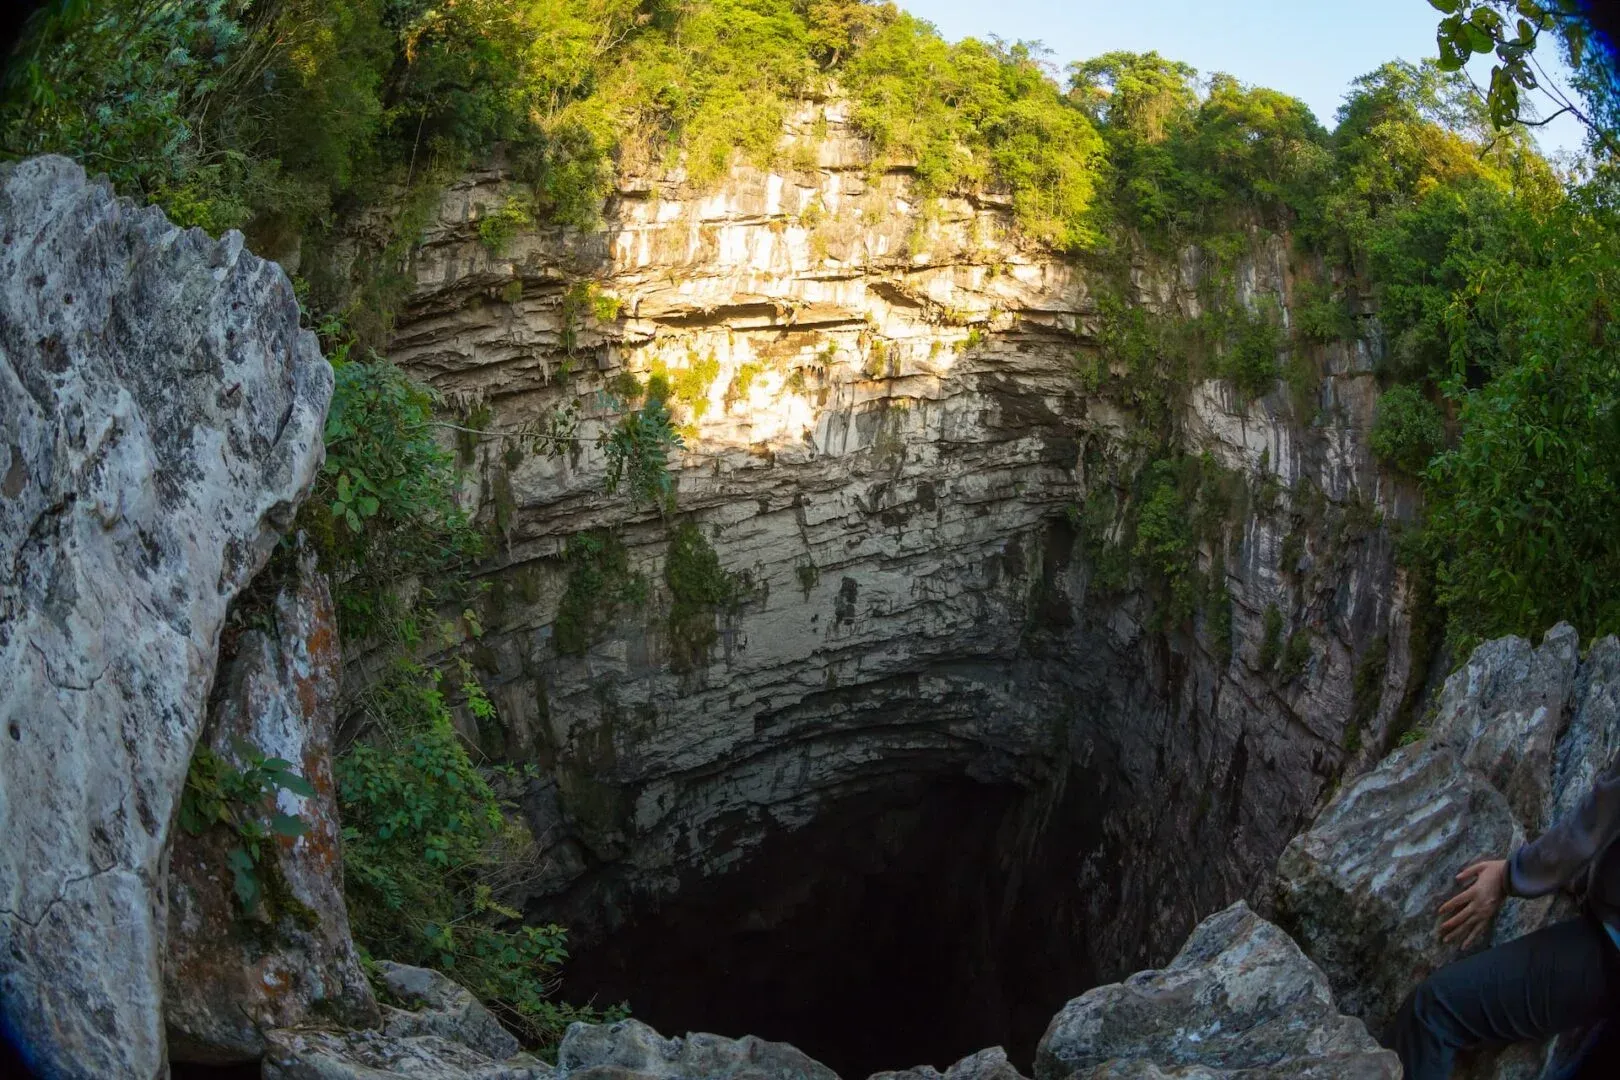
[{"x": 891, "y": 445}]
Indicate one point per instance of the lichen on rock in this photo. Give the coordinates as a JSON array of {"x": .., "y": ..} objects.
[
  {"x": 231, "y": 975},
  {"x": 162, "y": 412},
  {"x": 1239, "y": 1000}
]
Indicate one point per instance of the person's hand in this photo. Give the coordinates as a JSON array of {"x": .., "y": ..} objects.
[{"x": 1467, "y": 914}]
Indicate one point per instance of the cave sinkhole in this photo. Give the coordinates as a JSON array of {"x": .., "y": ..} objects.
[{"x": 904, "y": 928}]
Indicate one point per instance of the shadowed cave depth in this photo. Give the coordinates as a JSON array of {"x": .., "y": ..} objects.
[{"x": 908, "y": 927}]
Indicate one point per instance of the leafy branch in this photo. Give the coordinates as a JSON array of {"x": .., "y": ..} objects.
[{"x": 240, "y": 798}]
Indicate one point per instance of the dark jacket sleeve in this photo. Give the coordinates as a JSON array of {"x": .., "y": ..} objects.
[{"x": 1558, "y": 856}]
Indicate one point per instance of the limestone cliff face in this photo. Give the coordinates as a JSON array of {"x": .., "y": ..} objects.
[{"x": 922, "y": 695}]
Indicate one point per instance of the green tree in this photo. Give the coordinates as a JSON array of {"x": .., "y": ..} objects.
[
  {"x": 1142, "y": 94},
  {"x": 1407, "y": 429},
  {"x": 1511, "y": 30},
  {"x": 1525, "y": 506}
]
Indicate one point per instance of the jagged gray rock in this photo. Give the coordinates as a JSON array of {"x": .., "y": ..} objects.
[
  {"x": 991, "y": 1064},
  {"x": 1503, "y": 712},
  {"x": 630, "y": 1050},
  {"x": 374, "y": 1055},
  {"x": 1359, "y": 889},
  {"x": 435, "y": 1005},
  {"x": 1239, "y": 1000},
  {"x": 229, "y": 977},
  {"x": 1592, "y": 740},
  {"x": 162, "y": 416},
  {"x": 1519, "y": 737}
]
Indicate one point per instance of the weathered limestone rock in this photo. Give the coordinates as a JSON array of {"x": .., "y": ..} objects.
[
  {"x": 630, "y": 1050},
  {"x": 1592, "y": 742},
  {"x": 162, "y": 415},
  {"x": 227, "y": 977},
  {"x": 1240, "y": 999},
  {"x": 373, "y": 1055},
  {"x": 1503, "y": 712},
  {"x": 1338, "y": 1067},
  {"x": 1360, "y": 888},
  {"x": 991, "y": 1064},
  {"x": 885, "y": 433},
  {"x": 434, "y": 1005}
]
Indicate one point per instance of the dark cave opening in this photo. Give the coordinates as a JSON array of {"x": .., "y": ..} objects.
[{"x": 908, "y": 927}]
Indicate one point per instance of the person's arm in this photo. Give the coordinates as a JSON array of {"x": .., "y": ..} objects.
[
  {"x": 1537, "y": 868},
  {"x": 1557, "y": 856}
]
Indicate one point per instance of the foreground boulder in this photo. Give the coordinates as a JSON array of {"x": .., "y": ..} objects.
[
  {"x": 373, "y": 1055},
  {"x": 231, "y": 975},
  {"x": 991, "y": 1064},
  {"x": 437, "y": 1030},
  {"x": 1518, "y": 738},
  {"x": 1240, "y": 999},
  {"x": 162, "y": 416},
  {"x": 434, "y": 1005},
  {"x": 630, "y": 1050},
  {"x": 1359, "y": 889}
]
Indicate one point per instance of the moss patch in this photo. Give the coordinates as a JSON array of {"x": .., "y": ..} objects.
[
  {"x": 600, "y": 585},
  {"x": 699, "y": 588}
]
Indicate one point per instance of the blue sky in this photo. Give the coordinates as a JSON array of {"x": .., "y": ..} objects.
[{"x": 1308, "y": 48}]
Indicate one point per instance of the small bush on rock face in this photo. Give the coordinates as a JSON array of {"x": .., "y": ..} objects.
[
  {"x": 599, "y": 583},
  {"x": 1295, "y": 655},
  {"x": 241, "y": 799},
  {"x": 1407, "y": 429},
  {"x": 638, "y": 450},
  {"x": 1270, "y": 638},
  {"x": 698, "y": 588},
  {"x": 425, "y": 841},
  {"x": 384, "y": 508},
  {"x": 1249, "y": 362}
]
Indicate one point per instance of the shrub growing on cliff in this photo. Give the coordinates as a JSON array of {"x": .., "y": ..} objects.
[
  {"x": 638, "y": 448},
  {"x": 240, "y": 799},
  {"x": 384, "y": 509},
  {"x": 1249, "y": 357},
  {"x": 699, "y": 588},
  {"x": 1271, "y": 639},
  {"x": 599, "y": 584},
  {"x": 425, "y": 841},
  {"x": 1407, "y": 429},
  {"x": 1164, "y": 542}
]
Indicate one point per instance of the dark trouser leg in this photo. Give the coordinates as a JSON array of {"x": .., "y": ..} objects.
[{"x": 1545, "y": 982}]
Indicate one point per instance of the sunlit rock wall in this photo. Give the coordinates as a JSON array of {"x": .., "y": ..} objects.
[{"x": 887, "y": 434}]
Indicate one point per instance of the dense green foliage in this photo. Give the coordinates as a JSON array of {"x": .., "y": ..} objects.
[
  {"x": 976, "y": 115},
  {"x": 384, "y": 510},
  {"x": 699, "y": 589},
  {"x": 1183, "y": 165},
  {"x": 1525, "y": 504},
  {"x": 426, "y": 846},
  {"x": 1407, "y": 429}
]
